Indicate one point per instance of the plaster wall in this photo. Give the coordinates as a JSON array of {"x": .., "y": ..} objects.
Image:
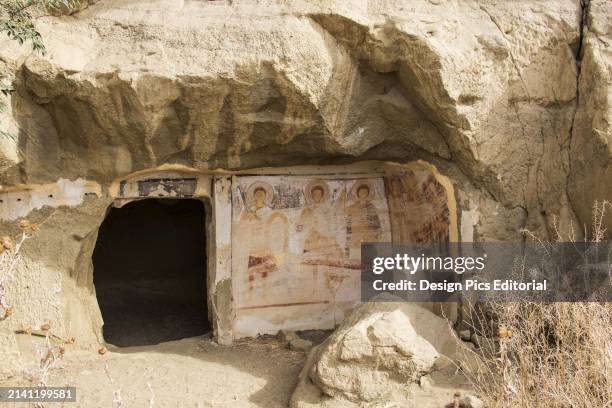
[{"x": 288, "y": 261}]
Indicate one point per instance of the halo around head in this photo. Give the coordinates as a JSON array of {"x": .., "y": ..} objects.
[
  {"x": 313, "y": 185},
  {"x": 396, "y": 179},
  {"x": 359, "y": 184},
  {"x": 250, "y": 193}
]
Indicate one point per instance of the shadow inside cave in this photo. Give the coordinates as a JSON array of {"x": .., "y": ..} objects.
[{"x": 150, "y": 270}]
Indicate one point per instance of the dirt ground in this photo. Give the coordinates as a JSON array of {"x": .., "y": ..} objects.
[{"x": 193, "y": 372}]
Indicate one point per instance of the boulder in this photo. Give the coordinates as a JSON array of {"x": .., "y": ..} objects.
[
  {"x": 379, "y": 353},
  {"x": 488, "y": 92},
  {"x": 591, "y": 141}
]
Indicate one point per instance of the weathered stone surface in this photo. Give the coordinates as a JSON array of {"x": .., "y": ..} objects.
[
  {"x": 511, "y": 100},
  {"x": 73, "y": 6},
  {"x": 591, "y": 142},
  {"x": 300, "y": 344},
  {"x": 381, "y": 350},
  {"x": 53, "y": 282},
  {"x": 485, "y": 90},
  {"x": 287, "y": 335},
  {"x": 10, "y": 362}
]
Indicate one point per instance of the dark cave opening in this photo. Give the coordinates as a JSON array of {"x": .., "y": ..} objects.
[{"x": 150, "y": 272}]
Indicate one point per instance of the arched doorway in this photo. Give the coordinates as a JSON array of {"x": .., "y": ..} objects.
[{"x": 150, "y": 272}]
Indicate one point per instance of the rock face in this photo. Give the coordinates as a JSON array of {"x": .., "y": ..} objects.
[
  {"x": 487, "y": 91},
  {"x": 10, "y": 363},
  {"x": 509, "y": 100},
  {"x": 591, "y": 142},
  {"x": 381, "y": 351},
  {"x": 48, "y": 288}
]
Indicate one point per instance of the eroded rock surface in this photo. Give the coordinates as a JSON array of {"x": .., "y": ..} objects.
[
  {"x": 379, "y": 353},
  {"x": 510, "y": 100},
  {"x": 591, "y": 142},
  {"x": 486, "y": 90},
  {"x": 10, "y": 362}
]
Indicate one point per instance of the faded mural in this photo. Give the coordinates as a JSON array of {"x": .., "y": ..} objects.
[
  {"x": 418, "y": 206},
  {"x": 170, "y": 187},
  {"x": 296, "y": 242},
  {"x": 296, "y": 248}
]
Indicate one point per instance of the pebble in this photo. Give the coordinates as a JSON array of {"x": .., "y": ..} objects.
[{"x": 470, "y": 401}]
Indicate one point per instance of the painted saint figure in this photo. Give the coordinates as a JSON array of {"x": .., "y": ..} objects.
[
  {"x": 398, "y": 201},
  {"x": 317, "y": 223},
  {"x": 266, "y": 231},
  {"x": 362, "y": 221},
  {"x": 418, "y": 209},
  {"x": 437, "y": 228}
]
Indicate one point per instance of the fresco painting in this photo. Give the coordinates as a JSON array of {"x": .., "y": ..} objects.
[
  {"x": 266, "y": 232},
  {"x": 363, "y": 218},
  {"x": 418, "y": 207},
  {"x": 296, "y": 241},
  {"x": 296, "y": 244}
]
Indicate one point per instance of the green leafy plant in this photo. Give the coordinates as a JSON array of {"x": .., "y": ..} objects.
[
  {"x": 17, "y": 19},
  {"x": 5, "y": 90}
]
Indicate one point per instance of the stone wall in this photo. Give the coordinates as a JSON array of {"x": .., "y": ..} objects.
[
  {"x": 300, "y": 266},
  {"x": 283, "y": 249},
  {"x": 509, "y": 100}
]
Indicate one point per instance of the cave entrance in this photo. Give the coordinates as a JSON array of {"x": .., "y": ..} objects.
[{"x": 150, "y": 272}]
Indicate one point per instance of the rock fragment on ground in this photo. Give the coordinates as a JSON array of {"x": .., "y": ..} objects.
[
  {"x": 379, "y": 354},
  {"x": 471, "y": 401},
  {"x": 465, "y": 335}
]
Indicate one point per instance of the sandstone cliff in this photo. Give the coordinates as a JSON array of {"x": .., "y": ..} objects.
[{"x": 509, "y": 99}]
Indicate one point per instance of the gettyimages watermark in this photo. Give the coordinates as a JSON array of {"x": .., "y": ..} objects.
[{"x": 449, "y": 272}]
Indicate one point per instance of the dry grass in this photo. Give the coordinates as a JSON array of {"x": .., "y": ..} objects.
[{"x": 545, "y": 354}]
